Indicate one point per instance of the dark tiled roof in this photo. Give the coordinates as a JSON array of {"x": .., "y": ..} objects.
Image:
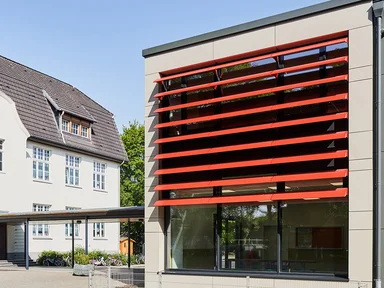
[{"x": 25, "y": 87}]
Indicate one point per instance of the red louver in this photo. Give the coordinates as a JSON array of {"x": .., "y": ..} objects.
[{"x": 282, "y": 114}]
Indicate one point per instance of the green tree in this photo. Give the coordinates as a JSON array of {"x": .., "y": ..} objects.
[{"x": 132, "y": 179}]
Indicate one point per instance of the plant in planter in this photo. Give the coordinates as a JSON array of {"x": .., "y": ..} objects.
[{"x": 82, "y": 266}]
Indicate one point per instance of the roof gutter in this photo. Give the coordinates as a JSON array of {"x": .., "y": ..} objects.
[{"x": 378, "y": 8}]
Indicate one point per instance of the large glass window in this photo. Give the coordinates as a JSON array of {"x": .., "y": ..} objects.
[
  {"x": 192, "y": 237},
  {"x": 99, "y": 175},
  {"x": 315, "y": 237},
  {"x": 68, "y": 227},
  {"x": 249, "y": 237}
]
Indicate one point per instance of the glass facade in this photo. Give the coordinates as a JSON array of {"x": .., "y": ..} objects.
[{"x": 313, "y": 236}]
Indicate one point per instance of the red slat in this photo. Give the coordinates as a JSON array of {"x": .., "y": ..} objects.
[
  {"x": 337, "y": 193},
  {"x": 260, "y": 162},
  {"x": 273, "y": 143},
  {"x": 255, "y": 93},
  {"x": 254, "y": 76},
  {"x": 254, "y": 180},
  {"x": 337, "y": 116},
  {"x": 271, "y": 55},
  {"x": 343, "y": 96}
]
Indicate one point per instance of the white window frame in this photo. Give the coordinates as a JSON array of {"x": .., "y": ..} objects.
[
  {"x": 65, "y": 127},
  {"x": 72, "y": 166},
  {"x": 73, "y": 128},
  {"x": 41, "y": 158},
  {"x": 99, "y": 175},
  {"x": 84, "y": 129},
  {"x": 68, "y": 227},
  {"x": 1, "y": 155},
  {"x": 101, "y": 227},
  {"x": 43, "y": 227}
]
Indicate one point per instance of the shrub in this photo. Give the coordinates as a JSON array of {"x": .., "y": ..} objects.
[
  {"x": 79, "y": 250},
  {"x": 48, "y": 254},
  {"x": 81, "y": 259}
]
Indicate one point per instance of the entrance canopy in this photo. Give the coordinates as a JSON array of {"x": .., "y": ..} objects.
[{"x": 120, "y": 214}]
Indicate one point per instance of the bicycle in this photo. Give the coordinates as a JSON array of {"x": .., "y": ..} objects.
[{"x": 52, "y": 262}]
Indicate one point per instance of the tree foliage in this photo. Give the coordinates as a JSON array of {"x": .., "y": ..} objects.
[{"x": 132, "y": 179}]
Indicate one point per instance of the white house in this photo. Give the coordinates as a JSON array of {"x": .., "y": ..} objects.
[{"x": 59, "y": 150}]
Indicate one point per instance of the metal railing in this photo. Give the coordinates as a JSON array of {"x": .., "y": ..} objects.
[{"x": 122, "y": 277}]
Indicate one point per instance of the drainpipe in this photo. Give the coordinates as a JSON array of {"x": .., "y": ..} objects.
[{"x": 378, "y": 7}]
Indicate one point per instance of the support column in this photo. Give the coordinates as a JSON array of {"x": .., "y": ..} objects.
[
  {"x": 86, "y": 235},
  {"x": 26, "y": 240},
  {"x": 129, "y": 243},
  {"x": 73, "y": 243}
]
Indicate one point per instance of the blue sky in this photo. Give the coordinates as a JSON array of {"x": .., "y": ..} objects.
[{"x": 96, "y": 45}]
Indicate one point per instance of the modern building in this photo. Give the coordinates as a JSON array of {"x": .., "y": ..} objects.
[
  {"x": 59, "y": 150},
  {"x": 263, "y": 153}
]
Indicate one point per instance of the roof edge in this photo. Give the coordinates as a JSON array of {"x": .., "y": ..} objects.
[
  {"x": 74, "y": 149},
  {"x": 241, "y": 28}
]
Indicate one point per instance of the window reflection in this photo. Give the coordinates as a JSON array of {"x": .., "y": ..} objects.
[
  {"x": 248, "y": 240},
  {"x": 315, "y": 237}
]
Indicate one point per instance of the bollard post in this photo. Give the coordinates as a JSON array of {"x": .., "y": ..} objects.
[
  {"x": 160, "y": 280},
  {"x": 90, "y": 279},
  {"x": 109, "y": 277},
  {"x": 248, "y": 282}
]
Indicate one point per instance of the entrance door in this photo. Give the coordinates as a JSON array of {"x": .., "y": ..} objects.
[{"x": 3, "y": 241}]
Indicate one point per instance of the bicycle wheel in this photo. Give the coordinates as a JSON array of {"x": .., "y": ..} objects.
[{"x": 45, "y": 262}]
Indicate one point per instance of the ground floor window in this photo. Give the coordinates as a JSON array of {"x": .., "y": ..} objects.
[
  {"x": 98, "y": 230},
  {"x": 68, "y": 227},
  {"x": 40, "y": 230},
  {"x": 306, "y": 236}
]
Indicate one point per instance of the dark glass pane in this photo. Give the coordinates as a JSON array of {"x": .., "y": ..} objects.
[
  {"x": 249, "y": 238},
  {"x": 192, "y": 237},
  {"x": 315, "y": 237}
]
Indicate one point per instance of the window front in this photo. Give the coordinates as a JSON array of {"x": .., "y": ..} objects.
[
  {"x": 40, "y": 230},
  {"x": 72, "y": 170},
  {"x": 98, "y": 230},
  {"x": 65, "y": 125},
  {"x": 99, "y": 170},
  {"x": 41, "y": 164},
  {"x": 1, "y": 155},
  {"x": 84, "y": 131},
  {"x": 75, "y": 128},
  {"x": 68, "y": 227},
  {"x": 315, "y": 237}
]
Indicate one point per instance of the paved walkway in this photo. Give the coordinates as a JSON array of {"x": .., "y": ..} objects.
[{"x": 48, "y": 278}]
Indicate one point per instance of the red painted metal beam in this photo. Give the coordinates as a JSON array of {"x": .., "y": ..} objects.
[
  {"x": 338, "y": 116},
  {"x": 255, "y": 180},
  {"x": 273, "y": 143},
  {"x": 254, "y": 163},
  {"x": 250, "y": 77},
  {"x": 255, "y": 93},
  {"x": 337, "y": 193},
  {"x": 338, "y": 97},
  {"x": 257, "y": 58}
]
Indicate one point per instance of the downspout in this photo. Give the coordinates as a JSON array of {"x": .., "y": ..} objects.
[{"x": 377, "y": 147}]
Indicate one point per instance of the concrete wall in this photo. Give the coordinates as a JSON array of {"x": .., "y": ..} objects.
[
  {"x": 19, "y": 191},
  {"x": 356, "y": 20}
]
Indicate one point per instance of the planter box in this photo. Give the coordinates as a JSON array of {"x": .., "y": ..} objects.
[{"x": 83, "y": 270}]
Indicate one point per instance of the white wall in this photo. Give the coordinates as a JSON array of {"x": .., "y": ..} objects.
[{"x": 20, "y": 191}]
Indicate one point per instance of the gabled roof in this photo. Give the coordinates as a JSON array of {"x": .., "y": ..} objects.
[{"x": 38, "y": 97}]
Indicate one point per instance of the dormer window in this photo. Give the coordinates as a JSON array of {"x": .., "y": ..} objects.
[
  {"x": 65, "y": 125},
  {"x": 75, "y": 126},
  {"x": 84, "y": 131}
]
